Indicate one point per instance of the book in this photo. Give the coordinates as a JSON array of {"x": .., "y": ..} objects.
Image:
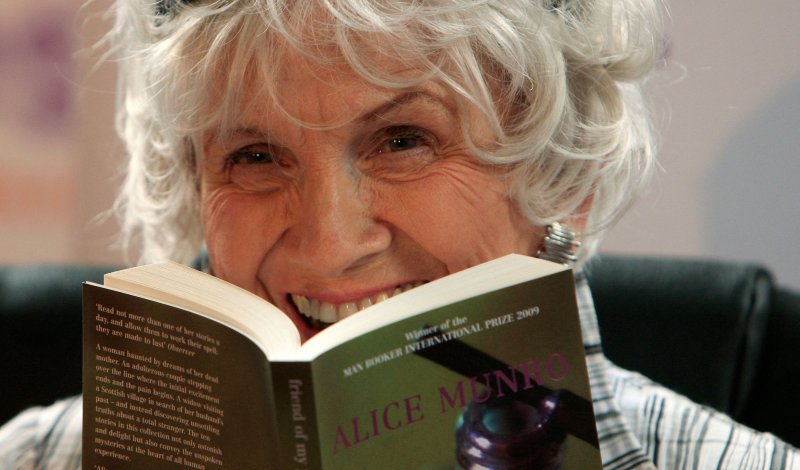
[{"x": 484, "y": 368}]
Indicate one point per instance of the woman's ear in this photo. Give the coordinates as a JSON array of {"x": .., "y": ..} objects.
[{"x": 577, "y": 221}]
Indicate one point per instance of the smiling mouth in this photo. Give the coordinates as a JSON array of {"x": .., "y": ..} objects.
[{"x": 320, "y": 314}]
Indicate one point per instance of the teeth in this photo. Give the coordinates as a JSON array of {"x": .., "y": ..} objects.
[
  {"x": 347, "y": 309},
  {"x": 327, "y": 312},
  {"x": 301, "y": 302}
]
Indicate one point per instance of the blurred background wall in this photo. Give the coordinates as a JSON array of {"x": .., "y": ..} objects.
[
  {"x": 58, "y": 152},
  {"x": 730, "y": 183},
  {"x": 728, "y": 108}
]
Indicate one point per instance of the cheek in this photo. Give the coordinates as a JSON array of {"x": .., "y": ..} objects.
[
  {"x": 240, "y": 230},
  {"x": 462, "y": 216}
]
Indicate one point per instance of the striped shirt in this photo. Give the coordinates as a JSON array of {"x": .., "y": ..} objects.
[{"x": 641, "y": 425}]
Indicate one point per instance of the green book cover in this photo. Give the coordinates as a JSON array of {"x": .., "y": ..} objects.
[{"x": 496, "y": 379}]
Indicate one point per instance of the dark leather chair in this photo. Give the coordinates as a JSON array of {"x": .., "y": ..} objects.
[
  {"x": 40, "y": 334},
  {"x": 722, "y": 333}
]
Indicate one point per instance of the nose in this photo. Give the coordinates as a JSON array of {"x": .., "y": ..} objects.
[{"x": 336, "y": 230}]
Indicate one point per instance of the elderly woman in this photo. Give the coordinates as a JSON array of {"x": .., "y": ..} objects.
[{"x": 334, "y": 149}]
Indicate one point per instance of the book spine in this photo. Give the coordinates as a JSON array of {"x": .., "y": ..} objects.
[{"x": 298, "y": 432}]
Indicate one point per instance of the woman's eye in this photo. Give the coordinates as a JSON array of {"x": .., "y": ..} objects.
[
  {"x": 403, "y": 139},
  {"x": 258, "y": 168},
  {"x": 251, "y": 157},
  {"x": 401, "y": 152},
  {"x": 399, "y": 144}
]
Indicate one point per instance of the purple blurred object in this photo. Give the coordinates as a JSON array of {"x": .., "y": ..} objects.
[{"x": 508, "y": 434}]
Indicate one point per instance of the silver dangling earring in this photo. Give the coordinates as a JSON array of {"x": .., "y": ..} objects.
[{"x": 560, "y": 245}]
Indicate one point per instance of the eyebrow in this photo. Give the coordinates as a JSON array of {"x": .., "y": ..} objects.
[
  {"x": 401, "y": 100},
  {"x": 376, "y": 114}
]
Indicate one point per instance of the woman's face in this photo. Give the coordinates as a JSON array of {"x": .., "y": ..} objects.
[{"x": 381, "y": 194}]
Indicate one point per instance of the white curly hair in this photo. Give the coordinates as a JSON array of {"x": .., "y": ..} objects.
[{"x": 560, "y": 82}]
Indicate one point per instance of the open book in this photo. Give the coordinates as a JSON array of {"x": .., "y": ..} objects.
[{"x": 483, "y": 367}]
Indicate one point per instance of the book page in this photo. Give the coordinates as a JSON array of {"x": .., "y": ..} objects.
[
  {"x": 202, "y": 293},
  {"x": 164, "y": 388},
  {"x": 486, "y": 277}
]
